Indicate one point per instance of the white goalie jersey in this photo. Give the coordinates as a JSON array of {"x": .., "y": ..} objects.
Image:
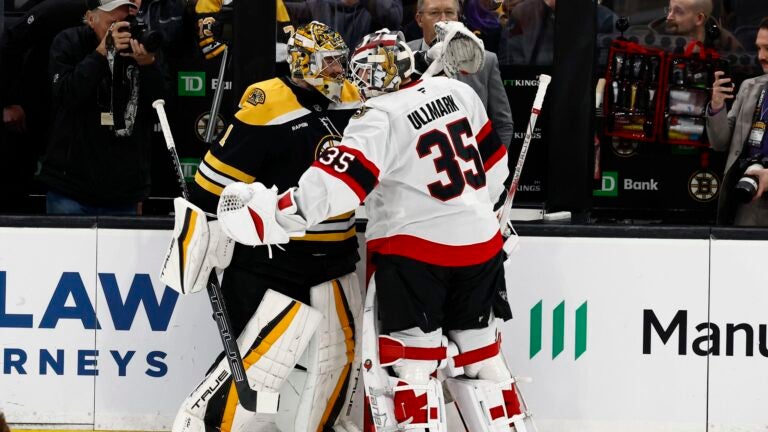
[{"x": 429, "y": 167}]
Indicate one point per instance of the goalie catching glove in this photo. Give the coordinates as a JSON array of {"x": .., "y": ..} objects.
[
  {"x": 253, "y": 215},
  {"x": 457, "y": 51},
  {"x": 197, "y": 247}
]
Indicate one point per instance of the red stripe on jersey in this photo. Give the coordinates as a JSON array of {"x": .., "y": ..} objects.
[
  {"x": 437, "y": 253},
  {"x": 484, "y": 131},
  {"x": 500, "y": 153},
  {"x": 348, "y": 180},
  {"x": 370, "y": 166}
]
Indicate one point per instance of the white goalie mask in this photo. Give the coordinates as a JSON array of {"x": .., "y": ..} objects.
[{"x": 380, "y": 63}]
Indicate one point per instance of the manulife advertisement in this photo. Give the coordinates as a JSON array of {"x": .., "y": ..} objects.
[
  {"x": 617, "y": 334},
  {"x": 640, "y": 334}
]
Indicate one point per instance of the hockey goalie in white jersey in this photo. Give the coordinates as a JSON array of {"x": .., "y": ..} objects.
[{"x": 425, "y": 159}]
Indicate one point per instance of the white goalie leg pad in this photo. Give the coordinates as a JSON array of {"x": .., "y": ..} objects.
[
  {"x": 412, "y": 400},
  {"x": 487, "y": 394},
  {"x": 319, "y": 393},
  {"x": 196, "y": 248},
  {"x": 271, "y": 344}
]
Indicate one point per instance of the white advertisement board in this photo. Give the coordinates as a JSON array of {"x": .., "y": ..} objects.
[
  {"x": 738, "y": 377},
  {"x": 155, "y": 343},
  {"x": 48, "y": 353},
  {"x": 613, "y": 331},
  {"x": 584, "y": 309}
]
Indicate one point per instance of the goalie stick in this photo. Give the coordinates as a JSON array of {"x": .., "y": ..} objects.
[
  {"x": 504, "y": 223},
  {"x": 216, "y": 103},
  {"x": 245, "y": 393}
]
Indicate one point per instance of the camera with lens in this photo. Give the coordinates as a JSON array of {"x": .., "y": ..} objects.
[
  {"x": 746, "y": 187},
  {"x": 151, "y": 39}
]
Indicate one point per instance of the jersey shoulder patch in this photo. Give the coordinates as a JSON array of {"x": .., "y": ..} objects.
[{"x": 266, "y": 102}]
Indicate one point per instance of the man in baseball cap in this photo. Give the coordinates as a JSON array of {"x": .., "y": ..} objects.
[{"x": 108, "y": 5}]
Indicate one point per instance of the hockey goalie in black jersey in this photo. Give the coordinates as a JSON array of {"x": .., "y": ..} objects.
[
  {"x": 297, "y": 309},
  {"x": 425, "y": 159}
]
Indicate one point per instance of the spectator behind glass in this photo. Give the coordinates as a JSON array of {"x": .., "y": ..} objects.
[
  {"x": 528, "y": 38},
  {"x": 353, "y": 19},
  {"x": 103, "y": 84},
  {"x": 741, "y": 132},
  {"x": 480, "y": 16},
  {"x": 486, "y": 82},
  {"x": 690, "y": 18},
  {"x": 26, "y": 93},
  {"x": 529, "y": 35},
  {"x": 26, "y": 96}
]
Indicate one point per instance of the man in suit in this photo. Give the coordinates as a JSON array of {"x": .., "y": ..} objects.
[
  {"x": 486, "y": 82},
  {"x": 740, "y": 131}
]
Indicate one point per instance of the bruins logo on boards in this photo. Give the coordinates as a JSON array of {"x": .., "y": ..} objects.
[
  {"x": 256, "y": 97},
  {"x": 703, "y": 186},
  {"x": 624, "y": 148},
  {"x": 325, "y": 143},
  {"x": 201, "y": 125}
]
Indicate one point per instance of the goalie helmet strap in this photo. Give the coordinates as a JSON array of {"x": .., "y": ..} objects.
[
  {"x": 392, "y": 350},
  {"x": 477, "y": 355}
]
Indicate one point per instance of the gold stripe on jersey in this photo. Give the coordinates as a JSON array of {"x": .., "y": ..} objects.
[
  {"x": 214, "y": 163},
  {"x": 341, "y": 217},
  {"x": 208, "y": 185},
  {"x": 327, "y": 237},
  {"x": 335, "y": 229},
  {"x": 272, "y": 103},
  {"x": 213, "y": 175}
]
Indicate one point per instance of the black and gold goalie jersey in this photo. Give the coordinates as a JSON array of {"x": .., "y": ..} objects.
[{"x": 279, "y": 131}]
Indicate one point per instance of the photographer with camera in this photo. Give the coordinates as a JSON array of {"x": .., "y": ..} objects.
[
  {"x": 103, "y": 83},
  {"x": 741, "y": 131}
]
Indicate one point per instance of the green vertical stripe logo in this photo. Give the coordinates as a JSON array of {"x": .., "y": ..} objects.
[
  {"x": 558, "y": 330},
  {"x": 535, "y": 330},
  {"x": 581, "y": 330}
]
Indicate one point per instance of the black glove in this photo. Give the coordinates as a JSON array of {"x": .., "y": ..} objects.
[{"x": 209, "y": 33}]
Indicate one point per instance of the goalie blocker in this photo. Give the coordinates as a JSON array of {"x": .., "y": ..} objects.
[{"x": 197, "y": 247}]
